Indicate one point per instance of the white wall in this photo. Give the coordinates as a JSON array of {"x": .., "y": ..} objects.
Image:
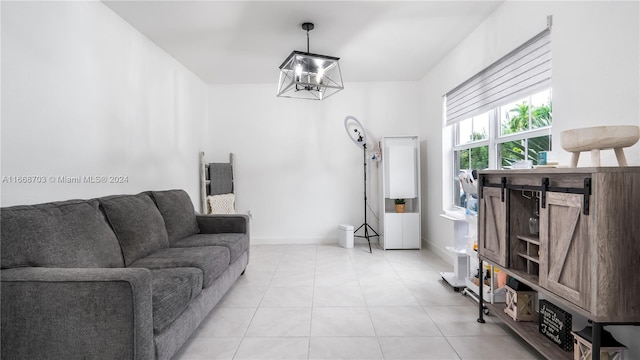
[
  {"x": 297, "y": 171},
  {"x": 596, "y": 61},
  {"x": 596, "y": 76},
  {"x": 85, "y": 94}
]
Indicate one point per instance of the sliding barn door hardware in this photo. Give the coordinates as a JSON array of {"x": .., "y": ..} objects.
[{"x": 544, "y": 188}]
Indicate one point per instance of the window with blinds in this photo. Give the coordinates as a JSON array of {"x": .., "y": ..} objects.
[
  {"x": 503, "y": 114},
  {"x": 522, "y": 71}
]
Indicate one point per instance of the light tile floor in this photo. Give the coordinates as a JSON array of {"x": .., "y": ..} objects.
[{"x": 326, "y": 302}]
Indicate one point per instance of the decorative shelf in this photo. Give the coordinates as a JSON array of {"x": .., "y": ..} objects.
[
  {"x": 452, "y": 218},
  {"x": 530, "y": 258},
  {"x": 533, "y": 282},
  {"x": 528, "y": 331},
  {"x": 528, "y": 250},
  {"x": 575, "y": 256},
  {"x": 530, "y": 239}
]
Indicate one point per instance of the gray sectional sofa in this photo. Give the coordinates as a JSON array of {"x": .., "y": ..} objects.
[{"x": 118, "y": 277}]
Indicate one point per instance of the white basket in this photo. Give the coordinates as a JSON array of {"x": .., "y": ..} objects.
[{"x": 496, "y": 296}]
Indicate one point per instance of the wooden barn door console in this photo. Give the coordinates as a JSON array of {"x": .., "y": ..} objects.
[{"x": 571, "y": 234}]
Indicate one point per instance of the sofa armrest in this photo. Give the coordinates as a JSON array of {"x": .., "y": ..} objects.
[
  {"x": 216, "y": 224},
  {"x": 56, "y": 313}
]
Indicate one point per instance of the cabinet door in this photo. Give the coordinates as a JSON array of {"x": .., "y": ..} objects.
[
  {"x": 564, "y": 248},
  {"x": 401, "y": 163},
  {"x": 411, "y": 231},
  {"x": 492, "y": 224},
  {"x": 392, "y": 231}
]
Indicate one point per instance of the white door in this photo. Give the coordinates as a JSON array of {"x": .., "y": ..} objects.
[
  {"x": 392, "y": 231},
  {"x": 411, "y": 231}
]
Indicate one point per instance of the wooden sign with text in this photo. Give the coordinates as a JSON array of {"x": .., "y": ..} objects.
[{"x": 555, "y": 324}]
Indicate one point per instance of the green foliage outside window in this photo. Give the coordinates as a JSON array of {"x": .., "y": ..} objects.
[
  {"x": 519, "y": 121},
  {"x": 522, "y": 117},
  {"x": 475, "y": 158}
]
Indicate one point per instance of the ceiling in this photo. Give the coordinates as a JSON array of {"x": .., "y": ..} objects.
[{"x": 240, "y": 42}]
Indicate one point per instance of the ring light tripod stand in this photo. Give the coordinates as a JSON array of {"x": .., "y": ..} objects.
[{"x": 358, "y": 135}]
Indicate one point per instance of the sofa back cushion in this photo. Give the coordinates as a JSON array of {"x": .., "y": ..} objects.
[
  {"x": 178, "y": 213},
  {"x": 66, "y": 234},
  {"x": 137, "y": 223}
]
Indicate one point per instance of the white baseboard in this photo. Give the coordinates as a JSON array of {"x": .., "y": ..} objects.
[
  {"x": 304, "y": 241},
  {"x": 446, "y": 256},
  {"x": 293, "y": 241}
]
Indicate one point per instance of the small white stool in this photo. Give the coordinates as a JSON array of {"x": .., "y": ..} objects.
[{"x": 599, "y": 138}]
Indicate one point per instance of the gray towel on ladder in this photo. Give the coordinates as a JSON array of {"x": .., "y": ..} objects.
[{"x": 221, "y": 176}]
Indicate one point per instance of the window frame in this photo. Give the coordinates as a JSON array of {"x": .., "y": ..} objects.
[{"x": 494, "y": 139}]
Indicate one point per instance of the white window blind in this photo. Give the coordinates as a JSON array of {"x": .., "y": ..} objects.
[{"x": 520, "y": 72}]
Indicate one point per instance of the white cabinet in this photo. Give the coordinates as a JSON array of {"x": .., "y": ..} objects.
[
  {"x": 400, "y": 179},
  {"x": 392, "y": 231},
  {"x": 401, "y": 171},
  {"x": 411, "y": 231},
  {"x": 401, "y": 231}
]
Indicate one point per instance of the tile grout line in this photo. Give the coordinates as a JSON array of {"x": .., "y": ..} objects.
[
  {"x": 235, "y": 353},
  {"x": 425, "y": 311},
  {"x": 371, "y": 319},
  {"x": 313, "y": 293},
  {"x": 402, "y": 266}
]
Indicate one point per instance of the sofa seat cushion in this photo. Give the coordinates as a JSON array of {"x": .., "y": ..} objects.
[
  {"x": 178, "y": 213},
  {"x": 65, "y": 234},
  {"x": 211, "y": 260},
  {"x": 137, "y": 223},
  {"x": 236, "y": 243},
  {"x": 172, "y": 290}
]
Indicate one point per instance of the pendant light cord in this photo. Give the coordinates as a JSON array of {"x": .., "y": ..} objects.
[{"x": 307, "y": 41}]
